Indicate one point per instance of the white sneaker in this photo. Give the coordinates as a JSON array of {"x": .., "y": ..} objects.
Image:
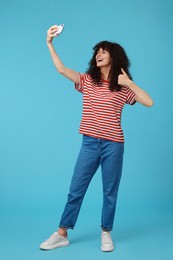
[
  {"x": 107, "y": 244},
  {"x": 54, "y": 241}
]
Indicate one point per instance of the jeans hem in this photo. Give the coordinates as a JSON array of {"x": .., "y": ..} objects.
[
  {"x": 65, "y": 227},
  {"x": 106, "y": 229}
]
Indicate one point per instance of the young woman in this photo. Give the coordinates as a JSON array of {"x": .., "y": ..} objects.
[{"x": 106, "y": 87}]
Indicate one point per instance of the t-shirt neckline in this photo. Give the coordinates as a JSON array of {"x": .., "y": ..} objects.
[{"x": 104, "y": 80}]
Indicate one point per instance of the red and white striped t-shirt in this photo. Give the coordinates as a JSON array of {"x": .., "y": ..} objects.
[{"x": 102, "y": 109}]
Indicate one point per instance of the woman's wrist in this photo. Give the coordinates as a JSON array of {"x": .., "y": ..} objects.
[
  {"x": 130, "y": 82},
  {"x": 49, "y": 43}
]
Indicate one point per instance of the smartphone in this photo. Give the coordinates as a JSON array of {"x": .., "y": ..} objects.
[{"x": 60, "y": 29}]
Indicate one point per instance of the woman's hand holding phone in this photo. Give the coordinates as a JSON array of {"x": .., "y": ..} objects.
[{"x": 54, "y": 31}]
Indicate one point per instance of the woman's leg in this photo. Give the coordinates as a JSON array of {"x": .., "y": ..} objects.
[
  {"x": 86, "y": 165},
  {"x": 111, "y": 164}
]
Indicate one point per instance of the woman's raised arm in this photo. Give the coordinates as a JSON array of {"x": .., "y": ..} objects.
[{"x": 66, "y": 72}]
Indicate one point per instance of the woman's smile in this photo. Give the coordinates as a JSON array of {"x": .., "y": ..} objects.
[{"x": 102, "y": 58}]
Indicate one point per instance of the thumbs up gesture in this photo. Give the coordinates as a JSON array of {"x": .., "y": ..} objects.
[{"x": 123, "y": 79}]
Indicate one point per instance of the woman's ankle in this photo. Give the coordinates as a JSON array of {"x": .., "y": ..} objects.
[{"x": 62, "y": 232}]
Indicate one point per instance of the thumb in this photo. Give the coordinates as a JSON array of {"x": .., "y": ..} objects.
[{"x": 124, "y": 73}]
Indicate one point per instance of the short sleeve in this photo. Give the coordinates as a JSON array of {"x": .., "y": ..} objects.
[
  {"x": 130, "y": 97},
  {"x": 80, "y": 87}
]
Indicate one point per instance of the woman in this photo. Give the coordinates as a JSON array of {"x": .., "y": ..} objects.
[{"x": 106, "y": 87}]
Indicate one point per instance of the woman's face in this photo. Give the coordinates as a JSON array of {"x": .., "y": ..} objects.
[{"x": 103, "y": 58}]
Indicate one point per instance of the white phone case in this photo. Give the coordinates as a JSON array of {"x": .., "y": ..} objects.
[{"x": 60, "y": 29}]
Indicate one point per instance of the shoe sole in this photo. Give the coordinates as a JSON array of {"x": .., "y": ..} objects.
[
  {"x": 107, "y": 250},
  {"x": 55, "y": 246}
]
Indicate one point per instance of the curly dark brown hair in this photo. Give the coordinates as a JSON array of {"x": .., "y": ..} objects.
[{"x": 119, "y": 60}]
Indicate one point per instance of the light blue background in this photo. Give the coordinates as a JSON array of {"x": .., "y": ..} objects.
[{"x": 40, "y": 114}]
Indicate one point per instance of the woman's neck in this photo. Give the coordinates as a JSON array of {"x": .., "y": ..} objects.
[{"x": 105, "y": 73}]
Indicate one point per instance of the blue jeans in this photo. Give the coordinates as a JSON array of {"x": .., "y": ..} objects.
[{"x": 95, "y": 152}]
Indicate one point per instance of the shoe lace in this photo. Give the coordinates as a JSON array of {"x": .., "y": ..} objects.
[
  {"x": 107, "y": 238},
  {"x": 53, "y": 236}
]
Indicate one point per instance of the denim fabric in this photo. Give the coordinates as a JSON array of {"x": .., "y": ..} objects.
[{"x": 95, "y": 152}]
